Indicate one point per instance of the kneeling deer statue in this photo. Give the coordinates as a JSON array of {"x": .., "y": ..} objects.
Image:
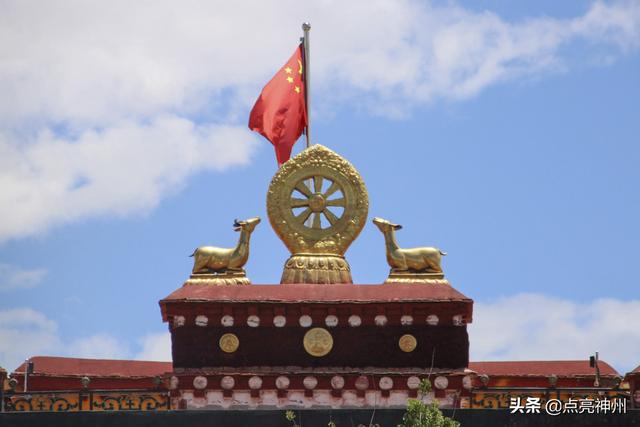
[
  {"x": 418, "y": 260},
  {"x": 209, "y": 259}
]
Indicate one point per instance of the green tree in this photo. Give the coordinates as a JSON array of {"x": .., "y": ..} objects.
[
  {"x": 422, "y": 415},
  {"x": 291, "y": 416}
]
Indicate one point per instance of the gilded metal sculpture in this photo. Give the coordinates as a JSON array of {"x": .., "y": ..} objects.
[
  {"x": 229, "y": 343},
  {"x": 317, "y": 342},
  {"x": 415, "y": 265},
  {"x": 407, "y": 343},
  {"x": 317, "y": 204},
  {"x": 224, "y": 266}
]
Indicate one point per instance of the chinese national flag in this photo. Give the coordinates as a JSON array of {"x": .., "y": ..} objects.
[{"x": 280, "y": 113}]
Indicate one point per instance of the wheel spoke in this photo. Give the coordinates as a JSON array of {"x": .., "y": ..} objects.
[
  {"x": 298, "y": 203},
  {"x": 302, "y": 217},
  {"x": 332, "y": 189},
  {"x": 302, "y": 187},
  {"x": 316, "y": 221},
  {"x": 317, "y": 183},
  {"x": 336, "y": 202},
  {"x": 330, "y": 216}
]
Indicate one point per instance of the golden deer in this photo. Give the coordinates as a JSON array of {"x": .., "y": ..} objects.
[
  {"x": 209, "y": 259},
  {"x": 419, "y": 260}
]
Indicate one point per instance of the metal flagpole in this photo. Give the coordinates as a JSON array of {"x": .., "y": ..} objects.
[
  {"x": 307, "y": 71},
  {"x": 305, "y": 44}
]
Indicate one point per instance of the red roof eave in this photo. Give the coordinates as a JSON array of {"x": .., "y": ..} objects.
[
  {"x": 538, "y": 368},
  {"x": 319, "y": 294},
  {"x": 97, "y": 368}
]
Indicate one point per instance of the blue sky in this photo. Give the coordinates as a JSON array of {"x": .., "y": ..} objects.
[{"x": 504, "y": 132}]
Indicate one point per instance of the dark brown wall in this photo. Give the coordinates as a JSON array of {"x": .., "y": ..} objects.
[{"x": 197, "y": 347}]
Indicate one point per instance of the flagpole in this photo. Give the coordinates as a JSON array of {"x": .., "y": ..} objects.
[
  {"x": 305, "y": 44},
  {"x": 307, "y": 71}
]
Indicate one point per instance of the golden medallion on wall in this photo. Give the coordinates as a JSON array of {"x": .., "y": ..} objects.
[
  {"x": 318, "y": 342},
  {"x": 229, "y": 343},
  {"x": 407, "y": 343}
]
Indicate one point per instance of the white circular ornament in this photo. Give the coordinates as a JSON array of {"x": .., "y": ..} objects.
[
  {"x": 362, "y": 383},
  {"x": 227, "y": 382},
  {"x": 310, "y": 383},
  {"x": 441, "y": 382},
  {"x": 337, "y": 382},
  {"x": 413, "y": 383},
  {"x": 202, "y": 320},
  {"x": 305, "y": 321},
  {"x": 173, "y": 383},
  {"x": 467, "y": 382},
  {"x": 253, "y": 321},
  {"x": 331, "y": 321},
  {"x": 279, "y": 321},
  {"x": 406, "y": 320},
  {"x": 255, "y": 383},
  {"x": 282, "y": 383},
  {"x": 226, "y": 321},
  {"x": 380, "y": 320},
  {"x": 200, "y": 382},
  {"x": 386, "y": 383},
  {"x": 355, "y": 320},
  {"x": 432, "y": 320},
  {"x": 178, "y": 321}
]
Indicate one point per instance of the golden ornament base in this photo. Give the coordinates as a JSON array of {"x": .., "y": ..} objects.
[
  {"x": 404, "y": 277},
  {"x": 237, "y": 277},
  {"x": 316, "y": 269}
]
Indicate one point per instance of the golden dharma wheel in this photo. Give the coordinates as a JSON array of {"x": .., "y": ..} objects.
[{"x": 317, "y": 202}]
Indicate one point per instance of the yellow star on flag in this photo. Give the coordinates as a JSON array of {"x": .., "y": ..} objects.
[
  {"x": 290, "y": 79},
  {"x": 287, "y": 70},
  {"x": 297, "y": 89}
]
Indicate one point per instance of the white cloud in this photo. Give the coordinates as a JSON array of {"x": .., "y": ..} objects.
[
  {"x": 98, "y": 346},
  {"x": 92, "y": 62},
  {"x": 96, "y": 94},
  {"x": 13, "y": 277},
  {"x": 124, "y": 169},
  {"x": 539, "y": 327},
  {"x": 25, "y": 332},
  {"x": 155, "y": 347}
]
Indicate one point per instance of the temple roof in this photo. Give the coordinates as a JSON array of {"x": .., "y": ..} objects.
[
  {"x": 635, "y": 373},
  {"x": 310, "y": 293},
  {"x": 561, "y": 368},
  {"x": 317, "y": 293},
  {"x": 71, "y": 366}
]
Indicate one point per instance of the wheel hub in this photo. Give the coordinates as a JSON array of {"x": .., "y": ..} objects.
[{"x": 317, "y": 202}]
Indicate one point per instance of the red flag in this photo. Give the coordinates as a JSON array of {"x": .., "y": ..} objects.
[{"x": 280, "y": 113}]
